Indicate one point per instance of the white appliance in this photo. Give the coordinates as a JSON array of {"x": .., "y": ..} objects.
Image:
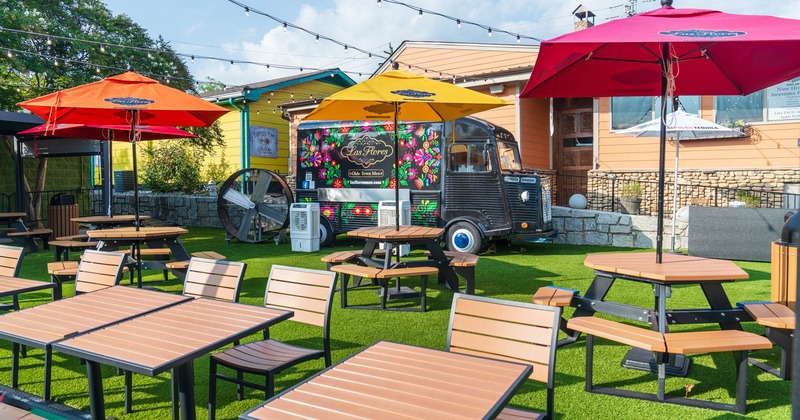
[
  {"x": 304, "y": 226},
  {"x": 386, "y": 217}
]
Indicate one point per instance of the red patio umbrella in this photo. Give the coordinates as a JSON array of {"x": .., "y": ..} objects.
[
  {"x": 668, "y": 52},
  {"x": 130, "y": 99},
  {"x": 106, "y": 132}
]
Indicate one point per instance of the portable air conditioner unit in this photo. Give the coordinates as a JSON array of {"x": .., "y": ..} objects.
[
  {"x": 386, "y": 217},
  {"x": 304, "y": 227}
]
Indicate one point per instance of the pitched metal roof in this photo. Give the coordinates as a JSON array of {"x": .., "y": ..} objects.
[{"x": 253, "y": 91}]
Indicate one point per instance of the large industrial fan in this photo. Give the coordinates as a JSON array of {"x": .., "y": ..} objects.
[{"x": 254, "y": 205}]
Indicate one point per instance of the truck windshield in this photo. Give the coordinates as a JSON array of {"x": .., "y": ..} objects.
[{"x": 509, "y": 156}]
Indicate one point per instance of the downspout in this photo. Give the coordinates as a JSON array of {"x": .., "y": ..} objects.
[
  {"x": 246, "y": 132},
  {"x": 242, "y": 146}
]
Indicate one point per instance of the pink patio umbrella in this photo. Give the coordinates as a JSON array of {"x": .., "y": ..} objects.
[{"x": 668, "y": 52}]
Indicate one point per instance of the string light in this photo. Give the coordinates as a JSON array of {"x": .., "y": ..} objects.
[
  {"x": 9, "y": 54},
  {"x": 379, "y": 3},
  {"x": 192, "y": 59},
  {"x": 420, "y": 13},
  {"x": 317, "y": 40},
  {"x": 102, "y": 48},
  {"x": 284, "y": 26},
  {"x": 247, "y": 11},
  {"x": 490, "y": 32},
  {"x": 458, "y": 23},
  {"x": 49, "y": 41}
]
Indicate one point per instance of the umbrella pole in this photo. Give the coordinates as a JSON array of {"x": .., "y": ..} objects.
[
  {"x": 396, "y": 171},
  {"x": 662, "y": 147},
  {"x": 110, "y": 175},
  {"x": 132, "y": 137}
]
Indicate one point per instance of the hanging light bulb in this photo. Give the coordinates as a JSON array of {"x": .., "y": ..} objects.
[
  {"x": 9, "y": 54},
  {"x": 192, "y": 59},
  {"x": 97, "y": 70},
  {"x": 518, "y": 40},
  {"x": 490, "y": 32},
  {"x": 269, "y": 100},
  {"x": 284, "y": 26},
  {"x": 231, "y": 63},
  {"x": 102, "y": 48},
  {"x": 49, "y": 41},
  {"x": 369, "y": 55},
  {"x": 420, "y": 13},
  {"x": 267, "y": 67},
  {"x": 379, "y": 3},
  {"x": 458, "y": 23},
  {"x": 55, "y": 62},
  {"x": 247, "y": 11},
  {"x": 345, "y": 47},
  {"x": 149, "y": 55},
  {"x": 317, "y": 40},
  {"x": 332, "y": 75}
]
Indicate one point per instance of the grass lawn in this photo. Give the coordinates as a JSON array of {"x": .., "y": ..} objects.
[{"x": 509, "y": 272}]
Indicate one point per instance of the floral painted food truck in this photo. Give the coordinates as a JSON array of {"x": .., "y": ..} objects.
[{"x": 463, "y": 175}]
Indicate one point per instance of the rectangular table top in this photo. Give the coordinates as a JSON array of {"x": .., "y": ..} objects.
[
  {"x": 10, "y": 286},
  {"x": 126, "y": 233},
  {"x": 158, "y": 341},
  {"x": 391, "y": 380},
  {"x": 11, "y": 215},
  {"x": 107, "y": 220},
  {"x": 674, "y": 268},
  {"x": 45, "y": 324},
  {"x": 392, "y": 233}
]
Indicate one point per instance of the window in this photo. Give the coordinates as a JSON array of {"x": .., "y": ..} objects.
[
  {"x": 629, "y": 111},
  {"x": 748, "y": 108},
  {"x": 468, "y": 158},
  {"x": 780, "y": 102},
  {"x": 509, "y": 157}
]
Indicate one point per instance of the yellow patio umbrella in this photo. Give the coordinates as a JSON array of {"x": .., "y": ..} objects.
[{"x": 402, "y": 96}]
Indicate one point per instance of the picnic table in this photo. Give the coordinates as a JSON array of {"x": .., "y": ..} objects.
[
  {"x": 14, "y": 220},
  {"x": 108, "y": 222},
  {"x": 14, "y": 286},
  {"x": 168, "y": 339},
  {"x": 387, "y": 380}
]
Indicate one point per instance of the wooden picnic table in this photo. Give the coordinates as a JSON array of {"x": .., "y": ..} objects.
[
  {"x": 388, "y": 380},
  {"x": 393, "y": 237},
  {"x": 108, "y": 222},
  {"x": 14, "y": 219},
  {"x": 41, "y": 326},
  {"x": 168, "y": 339},
  {"x": 675, "y": 269},
  {"x": 152, "y": 237}
]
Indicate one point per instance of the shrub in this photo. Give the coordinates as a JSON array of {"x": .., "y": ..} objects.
[
  {"x": 172, "y": 166},
  {"x": 632, "y": 190},
  {"x": 750, "y": 198},
  {"x": 218, "y": 172}
]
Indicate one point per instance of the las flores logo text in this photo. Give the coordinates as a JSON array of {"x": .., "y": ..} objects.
[{"x": 367, "y": 151}]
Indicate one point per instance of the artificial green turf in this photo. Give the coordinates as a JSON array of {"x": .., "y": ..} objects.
[{"x": 509, "y": 272}]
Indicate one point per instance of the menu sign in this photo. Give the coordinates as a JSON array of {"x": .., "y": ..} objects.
[{"x": 783, "y": 101}]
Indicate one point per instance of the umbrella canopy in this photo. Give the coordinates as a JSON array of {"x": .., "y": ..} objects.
[
  {"x": 668, "y": 52},
  {"x": 130, "y": 99},
  {"x": 401, "y": 96},
  {"x": 106, "y": 132},
  {"x": 681, "y": 125}
]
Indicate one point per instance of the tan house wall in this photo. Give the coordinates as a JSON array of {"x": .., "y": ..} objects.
[{"x": 464, "y": 60}]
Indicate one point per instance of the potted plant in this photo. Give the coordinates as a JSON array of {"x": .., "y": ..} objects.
[{"x": 630, "y": 198}]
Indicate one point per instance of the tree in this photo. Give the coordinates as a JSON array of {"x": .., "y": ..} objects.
[{"x": 51, "y": 45}]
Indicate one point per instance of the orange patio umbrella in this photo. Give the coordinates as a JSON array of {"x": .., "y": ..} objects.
[{"x": 129, "y": 99}]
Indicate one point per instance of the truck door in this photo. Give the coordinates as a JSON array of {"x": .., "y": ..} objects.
[{"x": 472, "y": 186}]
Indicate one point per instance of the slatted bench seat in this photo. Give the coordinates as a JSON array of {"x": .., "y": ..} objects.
[
  {"x": 779, "y": 322},
  {"x": 340, "y": 257},
  {"x": 738, "y": 342},
  {"x": 553, "y": 296},
  {"x": 382, "y": 276},
  {"x": 184, "y": 265},
  {"x": 464, "y": 265},
  {"x": 80, "y": 237},
  {"x": 62, "y": 247},
  {"x": 5, "y": 231},
  {"x": 26, "y": 238}
]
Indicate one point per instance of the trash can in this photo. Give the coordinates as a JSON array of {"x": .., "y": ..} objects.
[
  {"x": 784, "y": 262},
  {"x": 60, "y": 212},
  {"x": 123, "y": 181}
]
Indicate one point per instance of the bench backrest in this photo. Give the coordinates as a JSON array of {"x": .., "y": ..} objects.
[
  {"x": 309, "y": 293},
  {"x": 98, "y": 270},
  {"x": 10, "y": 260},
  {"x": 214, "y": 279},
  {"x": 513, "y": 331},
  {"x": 784, "y": 274}
]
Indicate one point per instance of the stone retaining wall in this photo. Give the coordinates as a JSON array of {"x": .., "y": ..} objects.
[
  {"x": 589, "y": 227},
  {"x": 181, "y": 210}
]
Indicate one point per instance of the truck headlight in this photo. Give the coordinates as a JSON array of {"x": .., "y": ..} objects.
[{"x": 525, "y": 196}]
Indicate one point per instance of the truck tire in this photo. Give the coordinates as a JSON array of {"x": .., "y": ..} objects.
[
  {"x": 464, "y": 237},
  {"x": 326, "y": 235}
]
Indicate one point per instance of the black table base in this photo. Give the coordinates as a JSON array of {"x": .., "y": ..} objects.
[{"x": 640, "y": 359}]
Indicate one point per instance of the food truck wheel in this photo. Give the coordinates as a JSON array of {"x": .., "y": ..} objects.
[
  {"x": 326, "y": 235},
  {"x": 464, "y": 237}
]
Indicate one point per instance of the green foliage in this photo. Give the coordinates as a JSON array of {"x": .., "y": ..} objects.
[
  {"x": 632, "y": 190},
  {"x": 218, "y": 172},
  {"x": 172, "y": 166},
  {"x": 750, "y": 198}
]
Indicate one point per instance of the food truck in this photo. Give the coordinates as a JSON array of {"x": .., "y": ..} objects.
[{"x": 463, "y": 175}]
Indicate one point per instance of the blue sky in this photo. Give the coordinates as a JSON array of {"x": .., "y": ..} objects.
[{"x": 219, "y": 28}]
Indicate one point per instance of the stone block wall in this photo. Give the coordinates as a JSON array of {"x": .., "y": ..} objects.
[
  {"x": 590, "y": 227},
  {"x": 181, "y": 210}
]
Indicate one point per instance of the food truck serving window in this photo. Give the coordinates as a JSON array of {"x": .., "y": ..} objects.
[
  {"x": 469, "y": 158},
  {"x": 509, "y": 157}
]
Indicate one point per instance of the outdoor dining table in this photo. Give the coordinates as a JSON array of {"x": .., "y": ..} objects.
[
  {"x": 108, "y": 222},
  {"x": 168, "y": 339},
  {"x": 393, "y": 237},
  {"x": 43, "y": 325},
  {"x": 152, "y": 237},
  {"x": 388, "y": 380},
  {"x": 14, "y": 219},
  {"x": 675, "y": 269},
  {"x": 14, "y": 286}
]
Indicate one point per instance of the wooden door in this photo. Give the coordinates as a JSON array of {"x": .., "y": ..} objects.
[{"x": 573, "y": 137}]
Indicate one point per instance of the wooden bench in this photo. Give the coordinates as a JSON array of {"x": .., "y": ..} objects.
[
  {"x": 738, "y": 342},
  {"x": 340, "y": 257},
  {"x": 382, "y": 277},
  {"x": 779, "y": 323},
  {"x": 184, "y": 265},
  {"x": 79, "y": 237},
  {"x": 464, "y": 265},
  {"x": 553, "y": 296},
  {"x": 62, "y": 247},
  {"x": 26, "y": 239},
  {"x": 157, "y": 253}
]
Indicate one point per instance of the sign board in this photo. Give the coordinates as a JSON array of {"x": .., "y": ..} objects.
[
  {"x": 58, "y": 147},
  {"x": 263, "y": 142},
  {"x": 783, "y": 101}
]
